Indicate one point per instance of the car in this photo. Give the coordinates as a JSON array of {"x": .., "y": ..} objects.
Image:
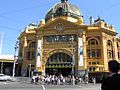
[{"x": 4, "y": 77}]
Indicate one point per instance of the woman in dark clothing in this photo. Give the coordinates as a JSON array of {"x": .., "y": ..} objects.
[{"x": 113, "y": 81}]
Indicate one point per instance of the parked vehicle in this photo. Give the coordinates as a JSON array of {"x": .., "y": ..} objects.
[{"x": 4, "y": 77}]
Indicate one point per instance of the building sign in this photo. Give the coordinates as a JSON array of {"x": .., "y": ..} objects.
[
  {"x": 38, "y": 62},
  {"x": 80, "y": 52}
]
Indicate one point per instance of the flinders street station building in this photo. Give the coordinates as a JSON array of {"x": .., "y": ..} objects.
[{"x": 63, "y": 44}]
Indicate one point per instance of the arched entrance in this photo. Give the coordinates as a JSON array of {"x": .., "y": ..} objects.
[{"x": 59, "y": 63}]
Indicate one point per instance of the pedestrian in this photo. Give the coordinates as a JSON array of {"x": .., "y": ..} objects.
[
  {"x": 112, "y": 82},
  {"x": 36, "y": 80},
  {"x": 94, "y": 80}
]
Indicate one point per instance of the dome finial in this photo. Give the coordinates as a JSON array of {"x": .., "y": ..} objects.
[{"x": 62, "y": 1}]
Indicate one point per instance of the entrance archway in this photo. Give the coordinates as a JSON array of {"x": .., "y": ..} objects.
[{"x": 59, "y": 63}]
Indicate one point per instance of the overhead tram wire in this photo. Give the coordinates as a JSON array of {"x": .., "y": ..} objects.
[
  {"x": 110, "y": 7},
  {"x": 24, "y": 9},
  {"x": 87, "y": 13},
  {"x": 6, "y": 27},
  {"x": 10, "y": 40},
  {"x": 14, "y": 11}
]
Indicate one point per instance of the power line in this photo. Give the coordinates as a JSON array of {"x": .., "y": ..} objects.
[
  {"x": 14, "y": 11},
  {"x": 6, "y": 27},
  {"x": 110, "y": 7},
  {"x": 10, "y": 19},
  {"x": 24, "y": 9}
]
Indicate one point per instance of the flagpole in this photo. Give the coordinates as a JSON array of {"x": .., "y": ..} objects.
[{"x": 1, "y": 43}]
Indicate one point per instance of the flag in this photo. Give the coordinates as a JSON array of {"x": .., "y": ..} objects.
[
  {"x": 80, "y": 52},
  {"x": 38, "y": 62}
]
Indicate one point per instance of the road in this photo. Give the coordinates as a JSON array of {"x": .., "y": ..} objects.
[{"x": 29, "y": 86}]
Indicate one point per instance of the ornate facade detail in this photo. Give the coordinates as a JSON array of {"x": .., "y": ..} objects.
[{"x": 61, "y": 39}]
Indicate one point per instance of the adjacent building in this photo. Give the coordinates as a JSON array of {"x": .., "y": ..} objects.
[
  {"x": 6, "y": 64},
  {"x": 63, "y": 44}
]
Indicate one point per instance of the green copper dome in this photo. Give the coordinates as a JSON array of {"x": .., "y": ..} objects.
[{"x": 63, "y": 9}]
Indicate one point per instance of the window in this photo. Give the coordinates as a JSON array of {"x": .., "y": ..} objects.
[
  {"x": 118, "y": 55},
  {"x": 92, "y": 42},
  {"x": 117, "y": 45},
  {"x": 98, "y": 52},
  {"x": 89, "y": 63},
  {"x": 33, "y": 54},
  {"x": 109, "y": 54},
  {"x": 59, "y": 59},
  {"x": 93, "y": 63},
  {"x": 90, "y": 69},
  {"x": 30, "y": 55},
  {"x": 32, "y": 45},
  {"x": 94, "y": 53},
  {"x": 94, "y": 68},
  {"x": 109, "y": 43}
]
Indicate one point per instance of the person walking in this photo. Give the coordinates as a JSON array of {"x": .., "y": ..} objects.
[{"x": 112, "y": 82}]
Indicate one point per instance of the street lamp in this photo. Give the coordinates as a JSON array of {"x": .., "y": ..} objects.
[
  {"x": 73, "y": 62},
  {"x": 1, "y": 68},
  {"x": 29, "y": 71},
  {"x": 15, "y": 59}
]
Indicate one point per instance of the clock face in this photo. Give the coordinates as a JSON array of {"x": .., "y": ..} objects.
[{"x": 59, "y": 27}]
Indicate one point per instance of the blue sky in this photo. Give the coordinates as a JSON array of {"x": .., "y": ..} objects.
[{"x": 15, "y": 15}]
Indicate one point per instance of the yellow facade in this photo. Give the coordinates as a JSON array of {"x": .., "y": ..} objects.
[{"x": 99, "y": 40}]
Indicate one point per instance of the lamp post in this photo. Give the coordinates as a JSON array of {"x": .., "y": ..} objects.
[
  {"x": 1, "y": 68},
  {"x": 73, "y": 62},
  {"x": 15, "y": 59},
  {"x": 29, "y": 71}
]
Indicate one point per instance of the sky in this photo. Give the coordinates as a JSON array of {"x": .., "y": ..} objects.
[{"x": 15, "y": 15}]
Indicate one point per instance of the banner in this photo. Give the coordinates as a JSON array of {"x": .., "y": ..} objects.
[
  {"x": 38, "y": 62},
  {"x": 80, "y": 52}
]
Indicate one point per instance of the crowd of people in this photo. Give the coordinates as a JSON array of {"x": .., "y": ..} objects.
[
  {"x": 57, "y": 80},
  {"x": 111, "y": 82}
]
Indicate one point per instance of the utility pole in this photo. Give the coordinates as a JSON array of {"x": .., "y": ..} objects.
[
  {"x": 1, "y": 43},
  {"x": 29, "y": 71},
  {"x": 1, "y": 68},
  {"x": 15, "y": 59},
  {"x": 73, "y": 62}
]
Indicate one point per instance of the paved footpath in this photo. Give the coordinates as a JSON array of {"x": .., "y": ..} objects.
[{"x": 29, "y": 86}]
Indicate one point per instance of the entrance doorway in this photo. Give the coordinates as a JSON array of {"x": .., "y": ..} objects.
[
  {"x": 59, "y": 63},
  {"x": 58, "y": 71}
]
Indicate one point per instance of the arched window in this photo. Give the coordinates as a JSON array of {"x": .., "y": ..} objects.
[
  {"x": 110, "y": 49},
  {"x": 31, "y": 53},
  {"x": 92, "y": 42},
  {"x": 94, "y": 53},
  {"x": 109, "y": 43},
  {"x": 32, "y": 45},
  {"x": 59, "y": 59},
  {"x": 110, "y": 54},
  {"x": 117, "y": 45}
]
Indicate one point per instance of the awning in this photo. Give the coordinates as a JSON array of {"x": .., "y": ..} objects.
[{"x": 5, "y": 60}]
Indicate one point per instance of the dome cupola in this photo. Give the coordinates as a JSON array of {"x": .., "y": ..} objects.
[{"x": 63, "y": 9}]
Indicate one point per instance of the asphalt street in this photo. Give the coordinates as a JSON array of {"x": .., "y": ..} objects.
[{"x": 29, "y": 86}]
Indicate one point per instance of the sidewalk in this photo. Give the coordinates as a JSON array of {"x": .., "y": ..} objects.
[{"x": 22, "y": 79}]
